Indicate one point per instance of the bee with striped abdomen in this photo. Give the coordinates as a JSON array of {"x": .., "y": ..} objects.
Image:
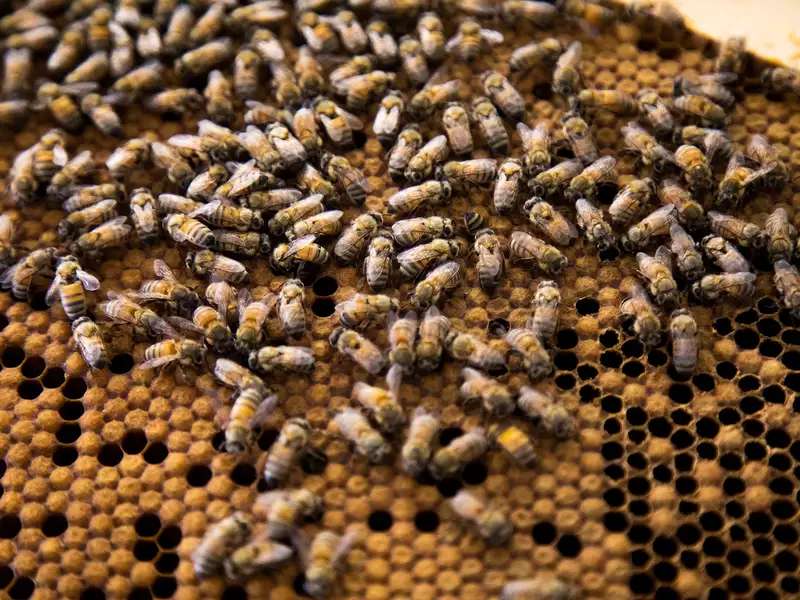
[
  {"x": 410, "y": 199},
  {"x": 451, "y": 459},
  {"x": 121, "y": 309},
  {"x": 474, "y": 351},
  {"x": 354, "y": 239},
  {"x": 656, "y": 224},
  {"x": 656, "y": 270},
  {"x": 387, "y": 120},
  {"x": 382, "y": 405},
  {"x": 656, "y": 111},
  {"x": 349, "y": 179},
  {"x": 216, "y": 267},
  {"x": 382, "y": 43},
  {"x": 82, "y": 220},
  {"x": 478, "y": 389},
  {"x": 492, "y": 525},
  {"x": 567, "y": 79},
  {"x": 219, "y": 541},
  {"x": 421, "y": 164},
  {"x": 535, "y": 358},
  {"x": 549, "y": 415},
  {"x": 642, "y": 143},
  {"x": 215, "y": 329},
  {"x": 379, "y": 259},
  {"x": 687, "y": 257},
  {"x": 252, "y": 317},
  {"x": 615, "y": 101},
  {"x": 418, "y": 447},
  {"x": 688, "y": 211},
  {"x": 724, "y": 254},
  {"x": 781, "y": 234},
  {"x": 490, "y": 124},
  {"x": 90, "y": 343},
  {"x": 408, "y": 143},
  {"x": 471, "y": 39},
  {"x": 525, "y": 248},
  {"x": 630, "y": 201},
  {"x": 292, "y": 442},
  {"x": 111, "y": 234},
  {"x": 545, "y": 305},
  {"x": 740, "y": 232},
  {"x": 186, "y": 353},
  {"x": 413, "y": 61},
  {"x": 586, "y": 183},
  {"x": 490, "y": 260},
  {"x": 455, "y": 121},
  {"x": 534, "y": 54},
  {"x": 70, "y": 286},
  {"x": 504, "y": 95},
  {"x": 638, "y": 311},
  {"x": 546, "y": 219},
  {"x": 362, "y": 310},
  {"x": 439, "y": 280},
  {"x": 361, "y": 350},
  {"x": 466, "y": 174},
  {"x": 367, "y": 440},
  {"x": 431, "y": 336},
  {"x": 418, "y": 259},
  {"x": 420, "y": 230},
  {"x": 683, "y": 331},
  {"x": 184, "y": 229},
  {"x": 432, "y": 97},
  {"x": 536, "y": 147},
  {"x": 548, "y": 182},
  {"x": 734, "y": 286}
]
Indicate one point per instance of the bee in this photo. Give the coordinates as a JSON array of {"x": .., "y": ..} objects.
[
  {"x": 246, "y": 69},
  {"x": 294, "y": 359},
  {"x": 122, "y": 56},
  {"x": 362, "y": 310},
  {"x": 630, "y": 200},
  {"x": 688, "y": 211},
  {"x": 355, "y": 66},
  {"x": 491, "y": 523},
  {"x": 432, "y": 97},
  {"x": 655, "y": 110},
  {"x": 430, "y": 31},
  {"x": 655, "y": 11},
  {"x": 656, "y": 270},
  {"x": 362, "y": 88},
  {"x": 245, "y": 243},
  {"x": 272, "y": 200},
  {"x": 548, "y": 182},
  {"x": 17, "y": 68},
  {"x": 176, "y": 34},
  {"x": 291, "y": 309},
  {"x": 245, "y": 179},
  {"x": 121, "y": 309},
  {"x": 267, "y": 46},
  {"x": 683, "y": 331},
  {"x": 337, "y": 122},
  {"x": 787, "y": 282},
  {"x": 318, "y": 32},
  {"x": 203, "y": 186},
  {"x": 219, "y": 97},
  {"x": 353, "y": 241},
  {"x": 166, "y": 157},
  {"x": 687, "y": 257},
  {"x": 545, "y": 304},
  {"x": 82, "y": 220},
  {"x": 187, "y": 353},
  {"x": 407, "y": 145},
  {"x": 781, "y": 80},
  {"x": 490, "y": 124},
  {"x": 14, "y": 113},
  {"x": 548, "y": 415},
  {"x": 433, "y": 330},
  {"x": 208, "y": 26},
  {"x": 732, "y": 55},
  {"x": 65, "y": 179},
  {"x": 412, "y": 59},
  {"x": 782, "y": 235},
  {"x": 252, "y": 317},
  {"x": 402, "y": 335},
  {"x": 218, "y": 214},
  {"x": 615, "y": 101},
  {"x": 111, "y": 234},
  {"x": 475, "y": 352},
  {"x": 567, "y": 79},
  {"x": 292, "y": 442},
  {"x": 421, "y": 164},
  {"x": 284, "y": 219},
  {"x": 350, "y": 31},
  {"x": 22, "y": 19},
  {"x": 441, "y": 279},
  {"x": 308, "y": 71},
  {"x": 255, "y": 557},
  {"x": 284, "y": 85},
  {"x": 206, "y": 263},
  {"x": 361, "y": 350},
  {"x": 468, "y": 173},
  {"x": 378, "y": 262},
  {"x": 49, "y": 155},
  {"x": 695, "y": 167},
  {"x": 526, "y": 343},
  {"x": 491, "y": 263},
  {"x": 131, "y": 155},
  {"x": 701, "y": 109},
  {"x": 185, "y": 229},
  {"x": 515, "y": 442},
  {"x": 69, "y": 286},
  {"x": 456, "y": 125},
  {"x": 541, "y": 14},
  {"x": 381, "y": 42},
  {"x": 288, "y": 509},
  {"x": 736, "y": 230},
  {"x": 643, "y": 144},
  {"x": 725, "y": 254},
  {"x": 326, "y": 558},
  {"x": 259, "y": 146},
  {"x": 167, "y": 288},
  {"x": 541, "y": 587},
  {"x": 222, "y": 296},
  {"x": 87, "y": 195},
  {"x": 585, "y": 184},
  {"x": 258, "y": 14},
  {"x": 22, "y": 182},
  {"x": 304, "y": 127},
  {"x": 410, "y": 199},
  {"x": 387, "y": 120},
  {"x": 711, "y": 85},
  {"x": 172, "y": 203},
  {"x": 148, "y": 43},
  {"x": 766, "y": 155},
  {"x": 451, "y": 459},
  {"x": 90, "y": 343},
  {"x": 312, "y": 181},
  {"x": 579, "y": 136},
  {"x": 419, "y": 230},
  {"x": 738, "y": 181},
  {"x": 550, "y": 222},
  {"x": 417, "y": 260},
  {"x": 38, "y": 39},
  {"x": 301, "y": 251},
  {"x": 471, "y": 39},
  {"x": 175, "y": 101},
  {"x": 504, "y": 95},
  {"x": 493, "y": 396},
  {"x": 418, "y": 447},
  {"x": 8, "y": 252},
  {"x": 215, "y": 330},
  {"x": 101, "y": 112},
  {"x": 638, "y": 311},
  {"x": 534, "y": 54},
  {"x": 94, "y": 68},
  {"x": 219, "y": 542},
  {"x": 525, "y": 248},
  {"x": 735, "y": 286},
  {"x": 202, "y": 59},
  {"x": 536, "y": 145},
  {"x": 145, "y": 78},
  {"x": 367, "y": 440},
  {"x": 654, "y": 225},
  {"x": 351, "y": 180},
  {"x": 382, "y": 404}
]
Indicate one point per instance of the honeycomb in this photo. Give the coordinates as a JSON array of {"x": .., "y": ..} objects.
[{"x": 674, "y": 487}]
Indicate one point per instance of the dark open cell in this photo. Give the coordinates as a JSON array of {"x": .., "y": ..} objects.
[
  {"x": 639, "y": 508},
  {"x": 762, "y": 546},
  {"x": 426, "y": 520},
  {"x": 733, "y": 486},
  {"x": 612, "y": 426},
  {"x": 664, "y": 545},
  {"x": 783, "y": 509},
  {"x": 29, "y": 389},
  {"x": 587, "y": 371},
  {"x": 566, "y": 338},
  {"x": 313, "y": 461},
  {"x": 474, "y": 473},
  {"x": 612, "y": 451},
  {"x": 616, "y": 521},
  {"x": 723, "y": 325},
  {"x": 641, "y": 583},
  {"x": 780, "y": 462},
  {"x": 738, "y": 584},
  {"x": 690, "y": 559},
  {"x": 747, "y": 317},
  {"x": 22, "y": 588},
  {"x": 74, "y": 388},
  {"x": 498, "y": 327},
  {"x": 659, "y": 427},
  {"x": 782, "y": 486},
  {"x": 665, "y": 571},
  {"x": 167, "y": 562},
  {"x": 121, "y": 364},
  {"x": 778, "y": 438},
  {"x": 611, "y": 403},
  {"x": 145, "y": 550},
  {"x": 156, "y": 453},
  {"x": 299, "y": 585},
  {"x": 768, "y": 326},
  {"x": 9, "y": 526},
  {"x": 323, "y": 307},
  {"x": 685, "y": 485},
  {"x": 638, "y": 486},
  {"x": 380, "y": 520},
  {"x": 787, "y": 318},
  {"x": 706, "y": 450},
  {"x": 790, "y": 584},
  {"x": 198, "y": 475},
  {"x": 684, "y": 461},
  {"x": 738, "y": 558},
  {"x": 786, "y": 561},
  {"x": 636, "y": 416},
  {"x": 93, "y": 593},
  {"x": 707, "y": 427},
  {"x": 325, "y": 286},
  {"x": 63, "y": 456},
  {"x": 569, "y": 545},
  {"x": 3, "y": 322},
  {"x": 244, "y": 474},
  {"x": 147, "y": 525},
  {"x": 6, "y": 576},
  {"x": 680, "y": 393},
  {"x": 792, "y": 381},
  {"x": 109, "y": 455},
  {"x": 711, "y": 521},
  {"x": 774, "y": 394},
  {"x": 134, "y": 441},
  {"x": 614, "y": 497},
  {"x": 54, "y": 525},
  {"x": 794, "y": 450},
  {"x": 640, "y": 534},
  {"x": 609, "y": 338},
  {"x": 689, "y": 534},
  {"x": 33, "y": 367},
  {"x": 791, "y": 337},
  {"x": 746, "y": 338},
  {"x": 764, "y": 572},
  {"x": 448, "y": 434},
  {"x": 682, "y": 439},
  {"x": 637, "y": 436},
  {"x": 735, "y": 510},
  {"x": 587, "y": 306},
  {"x": 53, "y": 377},
  {"x": 640, "y": 557},
  {"x": 755, "y": 451},
  {"x": 656, "y": 358},
  {"x": 543, "y": 91},
  {"x": 770, "y": 349},
  {"x": 767, "y": 306},
  {"x": 715, "y": 570},
  {"x": 730, "y": 461},
  {"x": 614, "y": 471},
  {"x": 170, "y": 537},
  {"x": 68, "y": 433},
  {"x": 71, "y": 410},
  {"x": 565, "y": 381},
  {"x": 13, "y": 357},
  {"x": 791, "y": 358},
  {"x": 726, "y": 370},
  {"x": 234, "y": 592},
  {"x": 750, "y": 405},
  {"x": 633, "y": 368},
  {"x": 565, "y": 361},
  {"x": 637, "y": 460},
  {"x": 448, "y": 487},
  {"x": 611, "y": 359},
  {"x": 704, "y": 382},
  {"x": 267, "y": 438},
  {"x": 164, "y": 586},
  {"x": 589, "y": 392},
  {"x": 759, "y": 522},
  {"x": 632, "y": 348},
  {"x": 680, "y": 417}
]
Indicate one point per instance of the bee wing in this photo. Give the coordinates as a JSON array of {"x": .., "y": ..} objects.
[
  {"x": 491, "y": 36},
  {"x": 60, "y": 156},
  {"x": 113, "y": 222},
  {"x": 206, "y": 210},
  {"x": 723, "y": 78},
  {"x": 6, "y": 228},
  {"x": 454, "y": 42},
  {"x": 154, "y": 363},
  {"x": 79, "y": 88},
  {"x": 664, "y": 256},
  {"x": 353, "y": 121},
  {"x": 298, "y": 245},
  {"x": 185, "y": 325},
  {"x": 226, "y": 265},
  {"x": 90, "y": 282},
  {"x": 386, "y": 120},
  {"x": 149, "y": 296},
  {"x": 8, "y": 276},
  {"x": 52, "y": 292},
  {"x": 346, "y": 544},
  {"x": 394, "y": 378},
  {"x": 264, "y": 410},
  {"x": 243, "y": 300},
  {"x": 162, "y": 270}
]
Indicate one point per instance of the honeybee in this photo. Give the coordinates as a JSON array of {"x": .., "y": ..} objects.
[
  {"x": 318, "y": 32},
  {"x": 735, "y": 286},
  {"x": 449, "y": 460},
  {"x": 781, "y": 80},
  {"x": 22, "y": 180},
  {"x": 782, "y": 235},
  {"x": 101, "y": 112},
  {"x": 471, "y": 39},
  {"x": 548, "y": 182},
  {"x": 688, "y": 211},
  {"x": 731, "y": 56},
  {"x": 409, "y": 232},
  {"x": 638, "y": 310},
  {"x": 216, "y": 267},
  {"x": 534, "y": 54},
  {"x": 258, "y": 145},
  {"x": 337, "y": 122},
  {"x": 69, "y": 49},
  {"x": 432, "y": 97},
  {"x": 456, "y": 125},
  {"x": 545, "y": 315},
  {"x": 408, "y": 200},
  {"x": 418, "y": 447},
  {"x": 252, "y": 316},
  {"x": 515, "y": 442},
  {"x": 412, "y": 59},
  {"x": 219, "y": 542},
  {"x": 353, "y": 67},
  {"x": 284, "y": 85},
  {"x": 725, "y": 254},
  {"x": 441, "y": 279},
  {"x": 361, "y": 350},
  {"x": 525, "y": 248},
  {"x": 121, "y": 309},
  {"x": 215, "y": 330},
  {"x": 546, "y": 219},
  {"x": 350, "y": 31},
  {"x": 408, "y": 143},
  {"x": 382, "y": 404},
  {"x": 430, "y": 31},
  {"x": 272, "y": 200},
  {"x": 787, "y": 282},
  {"x": 713, "y": 141},
  {"x": 223, "y": 297},
  {"x": 536, "y": 145},
  {"x": 38, "y": 39},
  {"x": 739, "y": 180},
  {"x": 292, "y": 442},
  {"x": 187, "y": 230},
  {"x": 536, "y": 359},
  {"x": 381, "y": 42},
  {"x": 541, "y": 14},
  {"x": 490, "y": 124},
  {"x": 353, "y": 241},
  {"x": 630, "y": 200},
  {"x": 493, "y": 396},
  {"x": 491, "y": 523},
  {"x": 490, "y": 262},
  {"x": 69, "y": 286},
  {"x": 175, "y": 101},
  {"x": 90, "y": 343},
  {"x": 8, "y": 252},
  {"x": 172, "y": 203},
  {"x": 185, "y": 353},
  {"x": 579, "y": 136},
  {"x": 656, "y": 224},
  {"x": 219, "y": 214},
  {"x": 145, "y": 78},
  {"x": 467, "y": 173},
  {"x": 236, "y": 376},
  {"x": 378, "y": 262},
  {"x": 166, "y": 157},
  {"x": 542, "y": 587},
  {"x": 309, "y": 73},
  {"x": 143, "y": 214},
  {"x": 418, "y": 259},
  {"x": 22, "y": 19},
  {"x": 87, "y": 195},
  {"x": 362, "y": 310},
  {"x": 206, "y": 183},
  {"x": 65, "y": 179},
  {"x": 285, "y": 218},
  {"x": 131, "y": 155},
  {"x": 585, "y": 184},
  {"x": 431, "y": 336},
  {"x": 326, "y": 558},
  {"x": 219, "y": 97},
  {"x": 475, "y": 352},
  {"x": 657, "y": 271},
  {"x": 736, "y": 230},
  {"x": 255, "y": 557},
  {"x": 421, "y": 164},
  {"x": 122, "y": 56},
  {"x": 387, "y": 119},
  {"x": 548, "y": 415},
  {"x": 642, "y": 143},
  {"x": 111, "y": 234},
  {"x": 367, "y": 440},
  {"x": 176, "y": 35},
  {"x": 655, "y": 110},
  {"x": 246, "y": 69},
  {"x": 291, "y": 309},
  {"x": 503, "y": 94},
  {"x": 94, "y": 68},
  {"x": 49, "y": 155},
  {"x": 167, "y": 288},
  {"x": 567, "y": 78},
  {"x": 615, "y": 101},
  {"x": 766, "y": 155},
  {"x": 245, "y": 179},
  {"x": 84, "y": 219},
  {"x": 683, "y": 331},
  {"x": 203, "y": 59},
  {"x": 14, "y": 113},
  {"x": 209, "y": 25},
  {"x": 295, "y": 359},
  {"x": 17, "y": 67},
  {"x": 711, "y": 85},
  {"x": 263, "y": 13},
  {"x": 311, "y": 181},
  {"x": 287, "y": 509},
  {"x": 687, "y": 257},
  {"x": 351, "y": 180},
  {"x": 267, "y": 46},
  {"x": 702, "y": 109}
]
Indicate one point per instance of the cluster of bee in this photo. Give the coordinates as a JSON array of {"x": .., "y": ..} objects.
[{"x": 278, "y": 187}]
